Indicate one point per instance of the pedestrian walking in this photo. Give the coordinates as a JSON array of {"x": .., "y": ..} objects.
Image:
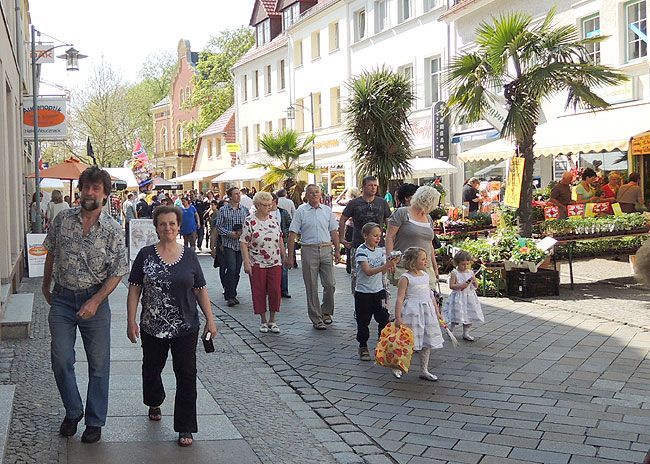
[
  {"x": 317, "y": 227},
  {"x": 285, "y": 203},
  {"x": 201, "y": 207},
  {"x": 190, "y": 223},
  {"x": 129, "y": 212},
  {"x": 370, "y": 298},
  {"x": 36, "y": 216},
  {"x": 169, "y": 278},
  {"x": 263, "y": 254},
  {"x": 216, "y": 247},
  {"x": 142, "y": 208},
  {"x": 463, "y": 306},
  {"x": 229, "y": 225},
  {"x": 284, "y": 218},
  {"x": 55, "y": 206},
  {"x": 86, "y": 259},
  {"x": 416, "y": 308},
  {"x": 366, "y": 208}
]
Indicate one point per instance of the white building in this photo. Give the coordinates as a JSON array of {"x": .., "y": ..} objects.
[{"x": 568, "y": 138}]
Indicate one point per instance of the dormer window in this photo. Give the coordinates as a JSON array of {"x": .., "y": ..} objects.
[
  {"x": 263, "y": 32},
  {"x": 290, "y": 15}
]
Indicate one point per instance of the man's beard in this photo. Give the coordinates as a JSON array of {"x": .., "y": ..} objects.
[{"x": 89, "y": 204}]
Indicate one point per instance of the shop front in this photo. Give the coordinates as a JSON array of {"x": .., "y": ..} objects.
[{"x": 639, "y": 160}]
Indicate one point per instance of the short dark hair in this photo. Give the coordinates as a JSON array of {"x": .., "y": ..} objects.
[
  {"x": 368, "y": 179},
  {"x": 281, "y": 193},
  {"x": 634, "y": 177},
  {"x": 368, "y": 227},
  {"x": 96, "y": 175},
  {"x": 230, "y": 190},
  {"x": 588, "y": 173},
  {"x": 165, "y": 209},
  {"x": 405, "y": 191}
]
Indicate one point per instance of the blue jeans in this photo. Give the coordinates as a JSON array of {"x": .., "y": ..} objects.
[
  {"x": 199, "y": 236},
  {"x": 96, "y": 336},
  {"x": 284, "y": 285},
  {"x": 233, "y": 261}
]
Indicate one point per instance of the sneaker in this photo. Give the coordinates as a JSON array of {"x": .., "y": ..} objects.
[
  {"x": 69, "y": 426},
  {"x": 264, "y": 328},
  {"x": 428, "y": 376},
  {"x": 320, "y": 326},
  {"x": 231, "y": 302},
  {"x": 364, "y": 354},
  {"x": 273, "y": 327},
  {"x": 235, "y": 300},
  {"x": 92, "y": 434},
  {"x": 397, "y": 373}
]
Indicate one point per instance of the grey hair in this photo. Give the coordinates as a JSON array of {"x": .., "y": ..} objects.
[
  {"x": 425, "y": 198},
  {"x": 261, "y": 196}
]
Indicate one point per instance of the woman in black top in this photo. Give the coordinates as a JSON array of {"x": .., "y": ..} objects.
[{"x": 170, "y": 280}]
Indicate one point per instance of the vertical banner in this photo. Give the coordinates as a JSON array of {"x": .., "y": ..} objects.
[
  {"x": 515, "y": 181},
  {"x": 142, "y": 233},
  {"x": 36, "y": 254}
]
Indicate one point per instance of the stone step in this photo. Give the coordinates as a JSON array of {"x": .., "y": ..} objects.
[
  {"x": 17, "y": 316},
  {"x": 6, "y": 409}
]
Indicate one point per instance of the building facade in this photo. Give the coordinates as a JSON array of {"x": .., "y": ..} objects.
[
  {"x": 169, "y": 116},
  {"x": 15, "y": 159}
]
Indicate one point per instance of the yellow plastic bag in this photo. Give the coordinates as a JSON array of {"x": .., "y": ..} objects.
[{"x": 395, "y": 347}]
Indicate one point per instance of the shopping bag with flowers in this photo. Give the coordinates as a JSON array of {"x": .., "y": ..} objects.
[{"x": 395, "y": 347}]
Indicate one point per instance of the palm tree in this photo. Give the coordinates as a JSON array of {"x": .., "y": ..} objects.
[
  {"x": 284, "y": 148},
  {"x": 531, "y": 63},
  {"x": 377, "y": 124}
]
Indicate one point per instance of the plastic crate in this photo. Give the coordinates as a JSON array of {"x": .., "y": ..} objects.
[{"x": 526, "y": 284}]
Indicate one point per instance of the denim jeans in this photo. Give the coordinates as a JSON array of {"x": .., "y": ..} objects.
[
  {"x": 199, "y": 236},
  {"x": 233, "y": 261},
  {"x": 284, "y": 286},
  {"x": 96, "y": 337}
]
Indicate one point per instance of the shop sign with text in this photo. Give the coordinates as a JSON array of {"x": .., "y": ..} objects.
[{"x": 52, "y": 118}]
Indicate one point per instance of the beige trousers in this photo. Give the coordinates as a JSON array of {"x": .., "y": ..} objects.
[{"x": 318, "y": 261}]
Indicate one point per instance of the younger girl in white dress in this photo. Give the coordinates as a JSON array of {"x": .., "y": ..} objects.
[
  {"x": 416, "y": 309},
  {"x": 462, "y": 305}
]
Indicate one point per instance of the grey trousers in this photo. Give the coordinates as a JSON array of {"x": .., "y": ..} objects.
[{"x": 318, "y": 261}]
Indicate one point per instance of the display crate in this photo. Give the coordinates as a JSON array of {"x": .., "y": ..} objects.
[{"x": 526, "y": 284}]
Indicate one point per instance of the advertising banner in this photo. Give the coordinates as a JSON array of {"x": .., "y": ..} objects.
[
  {"x": 515, "y": 181},
  {"x": 52, "y": 118},
  {"x": 36, "y": 254},
  {"x": 142, "y": 233}
]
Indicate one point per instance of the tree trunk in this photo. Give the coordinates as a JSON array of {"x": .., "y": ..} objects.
[{"x": 525, "y": 211}]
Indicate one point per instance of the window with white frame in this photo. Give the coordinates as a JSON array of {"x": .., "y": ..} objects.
[
  {"x": 282, "y": 123},
  {"x": 298, "y": 53},
  {"x": 268, "y": 80},
  {"x": 165, "y": 140},
  {"x": 244, "y": 140},
  {"x": 256, "y": 84},
  {"x": 431, "y": 4},
  {"x": 300, "y": 115},
  {"x": 290, "y": 15},
  {"x": 636, "y": 31},
  {"x": 315, "y": 45},
  {"x": 187, "y": 93},
  {"x": 407, "y": 71},
  {"x": 334, "y": 36},
  {"x": 209, "y": 147},
  {"x": 360, "y": 25},
  {"x": 318, "y": 118},
  {"x": 381, "y": 15},
  {"x": 281, "y": 78},
  {"x": 256, "y": 135},
  {"x": 434, "y": 78},
  {"x": 179, "y": 136},
  {"x": 244, "y": 88},
  {"x": 263, "y": 30},
  {"x": 590, "y": 27},
  {"x": 182, "y": 98},
  {"x": 335, "y": 105},
  {"x": 268, "y": 127},
  {"x": 405, "y": 10}
]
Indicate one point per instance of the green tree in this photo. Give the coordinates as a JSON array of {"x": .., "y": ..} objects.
[
  {"x": 531, "y": 63},
  {"x": 213, "y": 83},
  {"x": 284, "y": 148},
  {"x": 377, "y": 124}
]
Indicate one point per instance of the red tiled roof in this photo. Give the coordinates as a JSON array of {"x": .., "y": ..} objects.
[
  {"x": 219, "y": 125},
  {"x": 269, "y": 6},
  {"x": 256, "y": 52}
]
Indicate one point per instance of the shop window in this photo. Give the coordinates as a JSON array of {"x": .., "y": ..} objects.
[
  {"x": 360, "y": 25},
  {"x": 334, "y": 36},
  {"x": 591, "y": 28},
  {"x": 636, "y": 31}
]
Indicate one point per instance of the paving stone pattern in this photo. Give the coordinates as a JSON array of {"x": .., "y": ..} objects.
[{"x": 540, "y": 383}]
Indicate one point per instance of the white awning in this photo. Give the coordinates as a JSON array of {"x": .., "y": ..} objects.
[
  {"x": 241, "y": 172},
  {"x": 126, "y": 174},
  {"x": 594, "y": 132},
  {"x": 198, "y": 175},
  {"x": 428, "y": 167}
]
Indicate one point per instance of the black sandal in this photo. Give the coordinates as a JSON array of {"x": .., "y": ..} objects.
[
  {"x": 155, "y": 414},
  {"x": 185, "y": 436}
]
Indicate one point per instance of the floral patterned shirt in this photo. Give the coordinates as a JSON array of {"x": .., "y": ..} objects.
[
  {"x": 263, "y": 240},
  {"x": 168, "y": 300},
  {"x": 80, "y": 261}
]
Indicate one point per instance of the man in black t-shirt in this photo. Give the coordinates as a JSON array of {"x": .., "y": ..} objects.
[
  {"x": 201, "y": 207},
  {"x": 142, "y": 207},
  {"x": 470, "y": 194},
  {"x": 364, "y": 209}
]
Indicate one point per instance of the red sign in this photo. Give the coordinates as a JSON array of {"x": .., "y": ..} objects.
[
  {"x": 551, "y": 212},
  {"x": 575, "y": 210}
]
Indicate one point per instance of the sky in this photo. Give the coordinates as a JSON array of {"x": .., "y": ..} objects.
[{"x": 125, "y": 32}]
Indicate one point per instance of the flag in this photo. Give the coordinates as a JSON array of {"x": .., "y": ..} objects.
[
  {"x": 89, "y": 151},
  {"x": 139, "y": 151}
]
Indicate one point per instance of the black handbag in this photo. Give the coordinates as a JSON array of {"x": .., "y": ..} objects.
[{"x": 436, "y": 242}]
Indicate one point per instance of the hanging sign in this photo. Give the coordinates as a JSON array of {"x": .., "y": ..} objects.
[
  {"x": 515, "y": 181},
  {"x": 440, "y": 144},
  {"x": 52, "y": 118},
  {"x": 44, "y": 52}
]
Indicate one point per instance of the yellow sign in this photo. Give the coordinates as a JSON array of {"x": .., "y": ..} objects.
[
  {"x": 640, "y": 144},
  {"x": 232, "y": 147},
  {"x": 515, "y": 181},
  {"x": 616, "y": 207}
]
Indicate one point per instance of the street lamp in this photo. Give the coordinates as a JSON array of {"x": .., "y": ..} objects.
[
  {"x": 291, "y": 114},
  {"x": 72, "y": 56}
]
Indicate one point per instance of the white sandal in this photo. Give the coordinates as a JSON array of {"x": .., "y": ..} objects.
[
  {"x": 274, "y": 327},
  {"x": 264, "y": 328}
]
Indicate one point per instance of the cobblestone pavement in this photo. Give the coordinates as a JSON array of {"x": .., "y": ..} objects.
[{"x": 540, "y": 384}]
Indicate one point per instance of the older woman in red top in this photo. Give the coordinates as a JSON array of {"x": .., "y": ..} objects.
[{"x": 610, "y": 189}]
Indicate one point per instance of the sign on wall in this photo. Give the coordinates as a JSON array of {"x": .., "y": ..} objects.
[
  {"x": 515, "y": 181},
  {"x": 233, "y": 147},
  {"x": 440, "y": 132},
  {"x": 52, "y": 118}
]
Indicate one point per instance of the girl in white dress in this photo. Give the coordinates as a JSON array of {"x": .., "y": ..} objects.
[
  {"x": 462, "y": 305},
  {"x": 416, "y": 309}
]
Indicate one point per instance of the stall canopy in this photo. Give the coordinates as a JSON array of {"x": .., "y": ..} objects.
[
  {"x": 429, "y": 167},
  {"x": 124, "y": 174},
  {"x": 162, "y": 184},
  {"x": 198, "y": 175},
  {"x": 594, "y": 132},
  {"x": 241, "y": 172}
]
